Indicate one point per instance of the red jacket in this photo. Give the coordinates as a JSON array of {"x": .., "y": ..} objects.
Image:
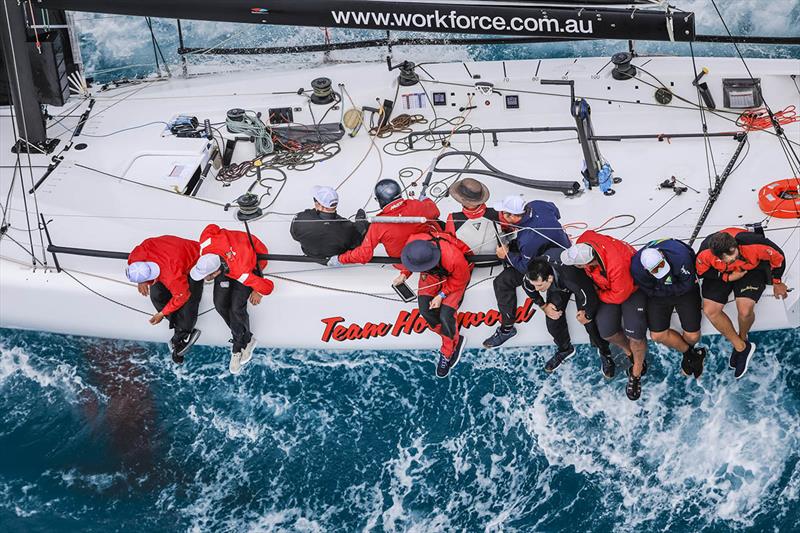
[
  {"x": 235, "y": 249},
  {"x": 175, "y": 257},
  {"x": 455, "y": 270},
  {"x": 753, "y": 249},
  {"x": 394, "y": 236},
  {"x": 612, "y": 276}
]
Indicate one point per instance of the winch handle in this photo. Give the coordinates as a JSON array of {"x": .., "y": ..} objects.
[
  {"x": 427, "y": 181},
  {"x": 571, "y": 84}
]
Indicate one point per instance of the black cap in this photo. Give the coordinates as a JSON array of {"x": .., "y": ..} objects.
[{"x": 386, "y": 191}]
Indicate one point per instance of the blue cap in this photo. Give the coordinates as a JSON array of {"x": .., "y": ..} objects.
[{"x": 420, "y": 256}]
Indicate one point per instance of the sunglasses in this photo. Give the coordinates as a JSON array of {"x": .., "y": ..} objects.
[{"x": 658, "y": 267}]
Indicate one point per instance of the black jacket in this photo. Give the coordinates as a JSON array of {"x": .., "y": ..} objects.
[
  {"x": 324, "y": 235},
  {"x": 567, "y": 279}
]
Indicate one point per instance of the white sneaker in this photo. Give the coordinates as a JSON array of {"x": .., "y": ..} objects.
[
  {"x": 247, "y": 352},
  {"x": 235, "y": 365}
]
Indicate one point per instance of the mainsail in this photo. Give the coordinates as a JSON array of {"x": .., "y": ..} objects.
[{"x": 592, "y": 19}]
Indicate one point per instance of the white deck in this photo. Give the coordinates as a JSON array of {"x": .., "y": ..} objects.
[{"x": 92, "y": 210}]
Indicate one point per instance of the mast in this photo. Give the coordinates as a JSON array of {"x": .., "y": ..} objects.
[
  {"x": 29, "y": 118},
  {"x": 581, "y": 19}
]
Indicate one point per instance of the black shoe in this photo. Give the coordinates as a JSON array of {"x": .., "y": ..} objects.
[
  {"x": 442, "y": 367},
  {"x": 456, "y": 357},
  {"x": 732, "y": 360},
  {"x": 743, "y": 359},
  {"x": 181, "y": 346},
  {"x": 560, "y": 356},
  {"x": 499, "y": 337},
  {"x": 687, "y": 363},
  {"x": 607, "y": 366},
  {"x": 634, "y": 388},
  {"x": 699, "y": 358}
]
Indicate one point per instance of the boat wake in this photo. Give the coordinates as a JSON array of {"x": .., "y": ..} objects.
[{"x": 319, "y": 441}]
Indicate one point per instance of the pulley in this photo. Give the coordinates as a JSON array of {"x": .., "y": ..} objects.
[
  {"x": 323, "y": 93},
  {"x": 663, "y": 96},
  {"x": 623, "y": 70}
]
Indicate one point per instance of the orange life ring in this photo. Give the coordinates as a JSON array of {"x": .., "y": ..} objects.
[{"x": 781, "y": 199}]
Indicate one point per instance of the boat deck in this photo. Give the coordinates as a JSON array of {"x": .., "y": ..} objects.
[{"x": 117, "y": 183}]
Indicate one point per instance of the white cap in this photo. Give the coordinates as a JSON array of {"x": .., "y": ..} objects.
[
  {"x": 141, "y": 271},
  {"x": 514, "y": 204},
  {"x": 326, "y": 196},
  {"x": 207, "y": 264},
  {"x": 654, "y": 262},
  {"x": 577, "y": 255}
]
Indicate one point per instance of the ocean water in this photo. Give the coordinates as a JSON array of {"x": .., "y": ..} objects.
[{"x": 110, "y": 436}]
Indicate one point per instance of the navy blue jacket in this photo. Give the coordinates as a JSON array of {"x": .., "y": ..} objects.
[
  {"x": 682, "y": 276},
  {"x": 538, "y": 230}
]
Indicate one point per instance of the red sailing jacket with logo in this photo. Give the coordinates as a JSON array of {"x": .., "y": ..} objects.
[
  {"x": 453, "y": 275},
  {"x": 235, "y": 249},
  {"x": 612, "y": 276},
  {"x": 394, "y": 236},
  {"x": 175, "y": 257},
  {"x": 753, "y": 249}
]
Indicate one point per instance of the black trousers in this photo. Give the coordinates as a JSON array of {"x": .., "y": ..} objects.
[
  {"x": 184, "y": 319},
  {"x": 505, "y": 290},
  {"x": 559, "y": 329},
  {"x": 230, "y": 301}
]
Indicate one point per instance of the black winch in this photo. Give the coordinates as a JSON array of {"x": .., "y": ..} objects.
[
  {"x": 323, "y": 93},
  {"x": 249, "y": 208},
  {"x": 623, "y": 70},
  {"x": 408, "y": 76}
]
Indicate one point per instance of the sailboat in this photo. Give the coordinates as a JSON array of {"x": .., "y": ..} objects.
[{"x": 637, "y": 147}]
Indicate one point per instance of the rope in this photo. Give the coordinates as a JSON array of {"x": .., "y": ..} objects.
[
  {"x": 335, "y": 289},
  {"x": 399, "y": 124},
  {"x": 104, "y": 173},
  {"x": 252, "y": 126},
  {"x": 759, "y": 119}
]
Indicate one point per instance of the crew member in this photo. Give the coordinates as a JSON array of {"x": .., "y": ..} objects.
[
  {"x": 475, "y": 225},
  {"x": 743, "y": 262},
  {"x": 321, "y": 232},
  {"x": 234, "y": 254},
  {"x": 561, "y": 282},
  {"x": 160, "y": 267},
  {"x": 664, "y": 270},
  {"x": 393, "y": 236},
  {"x": 444, "y": 275},
  {"x": 621, "y": 316},
  {"x": 537, "y": 228}
]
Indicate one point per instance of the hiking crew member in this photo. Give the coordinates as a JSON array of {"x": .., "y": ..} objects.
[
  {"x": 743, "y": 262},
  {"x": 475, "y": 225},
  {"x": 321, "y": 232},
  {"x": 444, "y": 275},
  {"x": 559, "y": 282},
  {"x": 160, "y": 267},
  {"x": 392, "y": 236},
  {"x": 233, "y": 253},
  {"x": 537, "y": 228},
  {"x": 621, "y": 317},
  {"x": 664, "y": 270}
]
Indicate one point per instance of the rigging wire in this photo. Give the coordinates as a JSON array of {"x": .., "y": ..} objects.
[
  {"x": 790, "y": 153},
  {"x": 18, "y": 162}
]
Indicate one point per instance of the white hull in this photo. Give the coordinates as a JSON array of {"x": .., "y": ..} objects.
[{"x": 92, "y": 210}]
